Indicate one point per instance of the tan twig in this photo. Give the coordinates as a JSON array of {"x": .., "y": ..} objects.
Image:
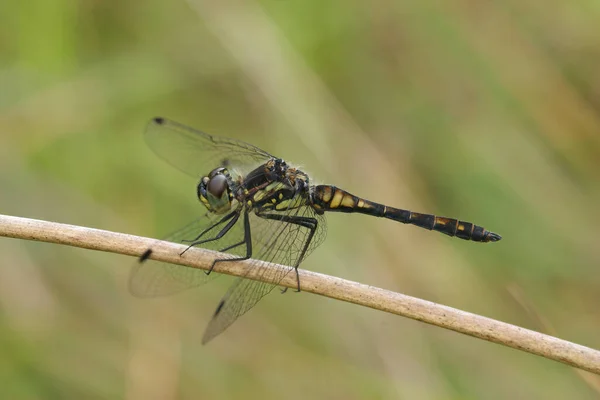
[{"x": 435, "y": 314}]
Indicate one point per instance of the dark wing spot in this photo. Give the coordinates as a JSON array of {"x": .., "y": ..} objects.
[
  {"x": 159, "y": 120},
  {"x": 146, "y": 255},
  {"x": 219, "y": 307}
]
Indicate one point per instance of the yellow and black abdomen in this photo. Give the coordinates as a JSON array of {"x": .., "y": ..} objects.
[{"x": 331, "y": 198}]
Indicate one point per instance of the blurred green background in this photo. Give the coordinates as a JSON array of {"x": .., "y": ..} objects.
[{"x": 486, "y": 111}]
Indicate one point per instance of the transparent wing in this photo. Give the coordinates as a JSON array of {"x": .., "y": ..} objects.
[
  {"x": 197, "y": 153},
  {"x": 153, "y": 278},
  {"x": 278, "y": 241}
]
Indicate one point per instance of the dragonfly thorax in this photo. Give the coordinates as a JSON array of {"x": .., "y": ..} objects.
[
  {"x": 275, "y": 186},
  {"x": 215, "y": 191}
]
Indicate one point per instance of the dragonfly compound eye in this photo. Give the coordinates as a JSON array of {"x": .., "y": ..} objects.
[
  {"x": 217, "y": 186},
  {"x": 213, "y": 192}
]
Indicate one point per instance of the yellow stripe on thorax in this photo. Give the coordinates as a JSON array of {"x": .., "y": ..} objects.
[{"x": 295, "y": 202}]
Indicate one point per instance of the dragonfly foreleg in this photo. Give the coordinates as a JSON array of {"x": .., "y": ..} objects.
[
  {"x": 226, "y": 228},
  {"x": 235, "y": 214},
  {"x": 247, "y": 240},
  {"x": 149, "y": 252}
]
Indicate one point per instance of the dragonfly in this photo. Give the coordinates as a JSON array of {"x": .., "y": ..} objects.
[{"x": 258, "y": 207}]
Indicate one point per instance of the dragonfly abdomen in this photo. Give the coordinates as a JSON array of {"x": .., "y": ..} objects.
[
  {"x": 331, "y": 198},
  {"x": 448, "y": 226}
]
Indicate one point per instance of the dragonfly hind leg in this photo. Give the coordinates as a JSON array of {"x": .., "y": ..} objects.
[{"x": 306, "y": 222}]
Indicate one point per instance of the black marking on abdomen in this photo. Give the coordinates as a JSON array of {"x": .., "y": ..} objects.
[{"x": 330, "y": 198}]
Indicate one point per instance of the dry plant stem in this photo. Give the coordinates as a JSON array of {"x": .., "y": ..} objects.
[{"x": 341, "y": 289}]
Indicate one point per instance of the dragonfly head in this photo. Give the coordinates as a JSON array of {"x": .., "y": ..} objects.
[{"x": 214, "y": 191}]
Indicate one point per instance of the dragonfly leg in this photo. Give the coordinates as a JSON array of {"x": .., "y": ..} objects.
[
  {"x": 247, "y": 240},
  {"x": 148, "y": 252},
  {"x": 234, "y": 218},
  {"x": 307, "y": 222},
  {"x": 233, "y": 246},
  {"x": 223, "y": 250},
  {"x": 297, "y": 280},
  {"x": 219, "y": 222}
]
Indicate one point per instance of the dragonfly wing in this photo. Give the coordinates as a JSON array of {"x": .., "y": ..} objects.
[
  {"x": 274, "y": 241},
  {"x": 196, "y": 153},
  {"x": 151, "y": 278}
]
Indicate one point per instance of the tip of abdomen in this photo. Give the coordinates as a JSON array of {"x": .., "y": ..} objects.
[{"x": 492, "y": 237}]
